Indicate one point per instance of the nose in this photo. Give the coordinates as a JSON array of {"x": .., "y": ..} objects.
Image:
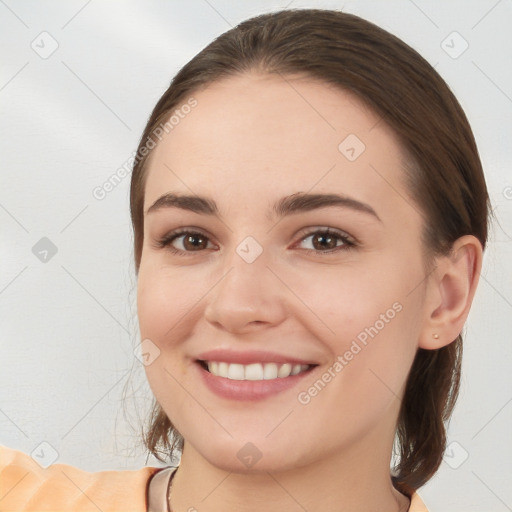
[{"x": 249, "y": 296}]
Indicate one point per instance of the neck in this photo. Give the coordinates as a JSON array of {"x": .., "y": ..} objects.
[{"x": 353, "y": 479}]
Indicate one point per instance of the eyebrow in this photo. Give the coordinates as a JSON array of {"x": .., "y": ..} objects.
[{"x": 295, "y": 203}]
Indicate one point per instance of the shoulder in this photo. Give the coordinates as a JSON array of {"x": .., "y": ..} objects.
[{"x": 26, "y": 486}]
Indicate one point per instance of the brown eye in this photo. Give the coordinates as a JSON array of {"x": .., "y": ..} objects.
[
  {"x": 326, "y": 241},
  {"x": 184, "y": 242},
  {"x": 193, "y": 242}
]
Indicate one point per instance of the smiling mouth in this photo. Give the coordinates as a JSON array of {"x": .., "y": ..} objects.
[{"x": 254, "y": 371}]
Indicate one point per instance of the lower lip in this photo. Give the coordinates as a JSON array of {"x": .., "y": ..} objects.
[{"x": 250, "y": 390}]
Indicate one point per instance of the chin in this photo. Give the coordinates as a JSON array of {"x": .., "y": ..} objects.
[{"x": 250, "y": 457}]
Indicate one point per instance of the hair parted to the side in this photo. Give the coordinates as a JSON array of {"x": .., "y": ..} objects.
[{"x": 444, "y": 175}]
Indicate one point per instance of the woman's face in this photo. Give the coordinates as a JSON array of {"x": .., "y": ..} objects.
[{"x": 258, "y": 279}]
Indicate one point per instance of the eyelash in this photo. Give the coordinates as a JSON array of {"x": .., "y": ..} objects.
[{"x": 348, "y": 241}]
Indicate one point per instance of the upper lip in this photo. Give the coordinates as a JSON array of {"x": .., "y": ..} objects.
[{"x": 250, "y": 356}]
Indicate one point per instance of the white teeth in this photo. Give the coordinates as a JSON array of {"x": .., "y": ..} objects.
[
  {"x": 269, "y": 371},
  {"x": 285, "y": 370},
  {"x": 296, "y": 369},
  {"x": 222, "y": 369},
  {"x": 236, "y": 372},
  {"x": 254, "y": 371}
]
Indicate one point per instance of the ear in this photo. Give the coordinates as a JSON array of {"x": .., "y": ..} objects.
[{"x": 450, "y": 293}]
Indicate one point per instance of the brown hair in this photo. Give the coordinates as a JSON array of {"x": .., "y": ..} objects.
[{"x": 444, "y": 175}]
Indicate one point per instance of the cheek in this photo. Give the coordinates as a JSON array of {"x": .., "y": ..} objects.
[
  {"x": 165, "y": 304},
  {"x": 370, "y": 324},
  {"x": 372, "y": 351},
  {"x": 348, "y": 301}
]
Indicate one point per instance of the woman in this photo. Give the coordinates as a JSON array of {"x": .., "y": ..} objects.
[{"x": 309, "y": 213}]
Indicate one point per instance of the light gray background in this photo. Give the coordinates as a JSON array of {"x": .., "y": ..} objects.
[{"x": 68, "y": 122}]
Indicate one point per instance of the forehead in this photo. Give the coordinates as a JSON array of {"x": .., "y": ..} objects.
[{"x": 254, "y": 138}]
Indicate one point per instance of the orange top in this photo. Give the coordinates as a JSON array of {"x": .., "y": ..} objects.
[{"x": 26, "y": 486}]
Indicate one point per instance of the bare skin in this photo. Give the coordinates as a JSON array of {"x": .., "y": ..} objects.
[{"x": 250, "y": 141}]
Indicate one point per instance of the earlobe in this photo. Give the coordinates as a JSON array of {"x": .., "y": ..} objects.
[{"x": 450, "y": 294}]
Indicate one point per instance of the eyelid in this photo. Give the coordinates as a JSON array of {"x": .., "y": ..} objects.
[
  {"x": 166, "y": 240},
  {"x": 349, "y": 241},
  {"x": 311, "y": 230}
]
